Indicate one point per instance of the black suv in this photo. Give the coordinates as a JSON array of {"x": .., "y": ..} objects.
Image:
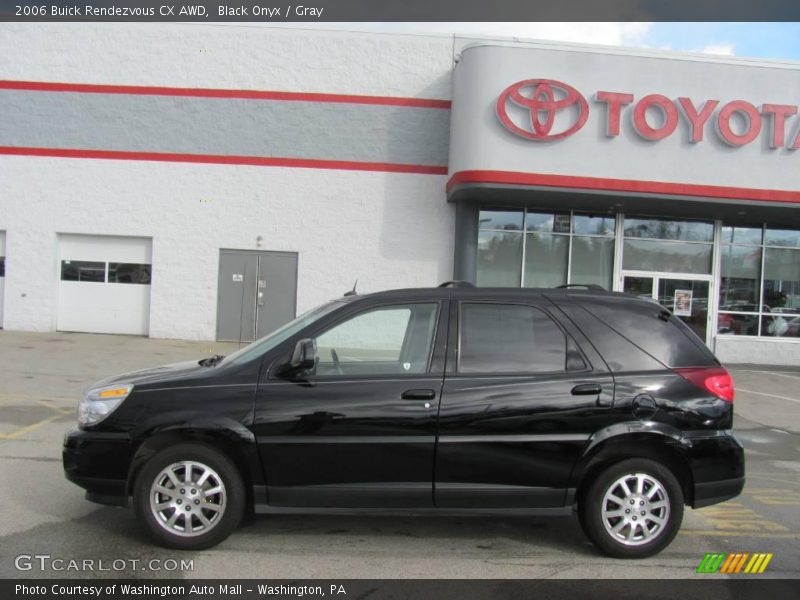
[{"x": 440, "y": 401}]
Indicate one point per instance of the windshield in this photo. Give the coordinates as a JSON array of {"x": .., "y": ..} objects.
[{"x": 280, "y": 335}]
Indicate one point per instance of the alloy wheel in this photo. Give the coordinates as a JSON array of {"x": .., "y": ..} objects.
[
  {"x": 635, "y": 509},
  {"x": 188, "y": 498}
]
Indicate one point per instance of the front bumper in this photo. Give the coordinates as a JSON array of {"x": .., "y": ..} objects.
[{"x": 99, "y": 463}]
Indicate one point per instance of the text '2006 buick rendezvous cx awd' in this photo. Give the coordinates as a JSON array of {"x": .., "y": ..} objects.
[{"x": 430, "y": 401}]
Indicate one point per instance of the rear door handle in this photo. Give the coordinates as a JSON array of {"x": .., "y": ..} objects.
[
  {"x": 587, "y": 389},
  {"x": 418, "y": 395}
]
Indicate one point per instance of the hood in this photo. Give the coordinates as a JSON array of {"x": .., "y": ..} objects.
[{"x": 175, "y": 372}]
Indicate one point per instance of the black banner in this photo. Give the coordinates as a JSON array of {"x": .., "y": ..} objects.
[
  {"x": 271, "y": 11},
  {"x": 481, "y": 589}
]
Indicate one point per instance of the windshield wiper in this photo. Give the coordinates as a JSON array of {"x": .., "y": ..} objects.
[{"x": 211, "y": 360}]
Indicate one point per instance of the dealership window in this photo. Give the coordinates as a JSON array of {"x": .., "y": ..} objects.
[
  {"x": 2, "y": 266},
  {"x": 522, "y": 248},
  {"x": 759, "y": 282},
  {"x": 672, "y": 246}
]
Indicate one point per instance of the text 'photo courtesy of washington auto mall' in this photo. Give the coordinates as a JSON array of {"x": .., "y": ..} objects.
[{"x": 314, "y": 309}]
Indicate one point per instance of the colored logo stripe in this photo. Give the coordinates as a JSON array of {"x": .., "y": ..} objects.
[
  {"x": 721, "y": 562},
  {"x": 758, "y": 563},
  {"x": 735, "y": 562},
  {"x": 711, "y": 563}
]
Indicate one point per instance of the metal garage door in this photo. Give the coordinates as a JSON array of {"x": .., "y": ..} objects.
[{"x": 104, "y": 284}]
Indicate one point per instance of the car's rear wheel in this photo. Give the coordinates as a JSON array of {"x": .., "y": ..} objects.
[
  {"x": 633, "y": 509},
  {"x": 189, "y": 497}
]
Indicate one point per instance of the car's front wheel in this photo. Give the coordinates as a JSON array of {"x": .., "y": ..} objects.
[
  {"x": 189, "y": 497},
  {"x": 633, "y": 509}
]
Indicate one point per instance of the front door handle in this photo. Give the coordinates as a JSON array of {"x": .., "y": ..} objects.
[
  {"x": 587, "y": 389},
  {"x": 418, "y": 395}
]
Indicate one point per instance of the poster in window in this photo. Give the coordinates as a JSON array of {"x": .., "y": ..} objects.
[{"x": 683, "y": 303}]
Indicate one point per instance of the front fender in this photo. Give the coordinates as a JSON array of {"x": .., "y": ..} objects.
[{"x": 229, "y": 435}]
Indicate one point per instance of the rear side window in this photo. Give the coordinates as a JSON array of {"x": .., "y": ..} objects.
[
  {"x": 667, "y": 340},
  {"x": 509, "y": 338}
]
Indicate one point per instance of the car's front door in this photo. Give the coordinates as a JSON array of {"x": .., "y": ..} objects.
[
  {"x": 520, "y": 400},
  {"x": 360, "y": 429}
]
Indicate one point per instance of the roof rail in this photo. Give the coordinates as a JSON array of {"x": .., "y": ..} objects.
[
  {"x": 456, "y": 283},
  {"x": 588, "y": 286}
]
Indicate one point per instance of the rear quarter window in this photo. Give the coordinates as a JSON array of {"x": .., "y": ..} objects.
[{"x": 668, "y": 340}]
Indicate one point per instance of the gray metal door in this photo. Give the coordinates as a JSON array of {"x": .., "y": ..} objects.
[
  {"x": 256, "y": 293},
  {"x": 277, "y": 290}
]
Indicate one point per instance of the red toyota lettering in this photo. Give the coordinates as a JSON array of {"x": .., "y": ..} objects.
[
  {"x": 615, "y": 102},
  {"x": 779, "y": 113},
  {"x": 752, "y": 117},
  {"x": 667, "y": 108},
  {"x": 529, "y": 108},
  {"x": 697, "y": 121}
]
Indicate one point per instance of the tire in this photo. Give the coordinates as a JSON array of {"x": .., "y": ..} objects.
[
  {"x": 194, "y": 515},
  {"x": 623, "y": 535}
]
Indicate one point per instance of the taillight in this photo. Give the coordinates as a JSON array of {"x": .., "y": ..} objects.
[{"x": 715, "y": 380}]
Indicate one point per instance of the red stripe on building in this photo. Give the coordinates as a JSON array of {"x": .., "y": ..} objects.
[
  {"x": 621, "y": 185},
  {"x": 137, "y": 90},
  {"x": 258, "y": 161}
]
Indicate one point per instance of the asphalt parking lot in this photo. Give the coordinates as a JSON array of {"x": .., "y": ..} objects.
[{"x": 43, "y": 375}]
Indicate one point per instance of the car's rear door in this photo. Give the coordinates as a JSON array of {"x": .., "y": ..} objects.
[{"x": 521, "y": 398}]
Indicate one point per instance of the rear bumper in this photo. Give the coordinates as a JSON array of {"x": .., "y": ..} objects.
[
  {"x": 713, "y": 492},
  {"x": 717, "y": 465},
  {"x": 98, "y": 462}
]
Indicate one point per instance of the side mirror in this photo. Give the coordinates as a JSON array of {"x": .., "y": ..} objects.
[{"x": 303, "y": 358}]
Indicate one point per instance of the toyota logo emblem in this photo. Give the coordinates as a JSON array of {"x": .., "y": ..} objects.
[{"x": 541, "y": 99}]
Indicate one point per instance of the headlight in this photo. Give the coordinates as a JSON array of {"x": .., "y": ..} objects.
[{"x": 100, "y": 402}]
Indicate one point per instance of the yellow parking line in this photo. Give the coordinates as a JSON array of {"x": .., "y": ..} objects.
[
  {"x": 20, "y": 432},
  {"x": 63, "y": 410},
  {"x": 25, "y": 395},
  {"x": 26, "y": 401}
]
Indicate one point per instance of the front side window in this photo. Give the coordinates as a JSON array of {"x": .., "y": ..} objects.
[
  {"x": 505, "y": 338},
  {"x": 392, "y": 340}
]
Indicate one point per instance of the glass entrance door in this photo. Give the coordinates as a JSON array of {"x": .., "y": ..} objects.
[{"x": 686, "y": 297}]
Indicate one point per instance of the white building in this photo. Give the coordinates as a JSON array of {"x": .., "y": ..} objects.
[{"x": 209, "y": 182}]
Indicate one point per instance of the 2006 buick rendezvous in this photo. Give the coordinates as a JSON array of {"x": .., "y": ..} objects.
[{"x": 445, "y": 400}]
